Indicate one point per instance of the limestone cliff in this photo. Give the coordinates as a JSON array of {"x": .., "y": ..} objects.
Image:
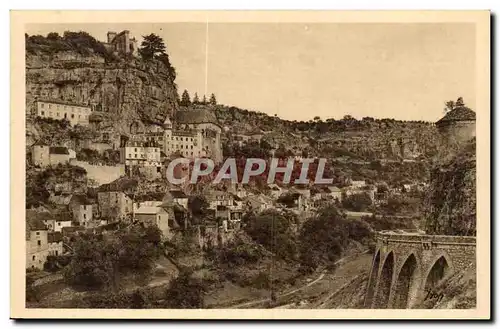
[
  {"x": 128, "y": 88},
  {"x": 451, "y": 198}
]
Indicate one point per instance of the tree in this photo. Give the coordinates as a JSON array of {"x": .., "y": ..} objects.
[
  {"x": 273, "y": 230},
  {"x": 100, "y": 261},
  {"x": 53, "y": 36},
  {"x": 196, "y": 99},
  {"x": 152, "y": 46},
  {"x": 213, "y": 100},
  {"x": 357, "y": 202},
  {"x": 323, "y": 237},
  {"x": 185, "y": 98},
  {"x": 317, "y": 118},
  {"x": 204, "y": 101},
  {"x": 184, "y": 292},
  {"x": 450, "y": 105}
]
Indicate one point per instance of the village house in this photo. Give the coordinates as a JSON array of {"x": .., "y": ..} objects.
[
  {"x": 58, "y": 154},
  {"x": 219, "y": 198},
  {"x": 259, "y": 203},
  {"x": 180, "y": 198},
  {"x": 294, "y": 200},
  {"x": 82, "y": 209},
  {"x": 370, "y": 190},
  {"x": 154, "y": 216},
  {"x": 356, "y": 184},
  {"x": 76, "y": 114},
  {"x": 114, "y": 204},
  {"x": 63, "y": 219},
  {"x": 222, "y": 212},
  {"x": 55, "y": 243},
  {"x": 116, "y": 198},
  {"x": 72, "y": 231},
  {"x": 37, "y": 248},
  {"x": 144, "y": 155},
  {"x": 327, "y": 193},
  {"x": 44, "y": 156},
  {"x": 335, "y": 193}
]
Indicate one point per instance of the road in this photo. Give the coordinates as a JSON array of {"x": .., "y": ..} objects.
[{"x": 291, "y": 292}]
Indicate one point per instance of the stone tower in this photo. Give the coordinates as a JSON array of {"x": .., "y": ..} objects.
[{"x": 459, "y": 124}]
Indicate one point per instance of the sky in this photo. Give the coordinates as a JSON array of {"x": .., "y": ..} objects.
[{"x": 299, "y": 71}]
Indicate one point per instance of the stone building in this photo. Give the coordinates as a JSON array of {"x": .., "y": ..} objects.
[
  {"x": 75, "y": 113},
  {"x": 459, "y": 124},
  {"x": 116, "y": 198},
  {"x": 55, "y": 243},
  {"x": 37, "y": 248},
  {"x": 82, "y": 209},
  {"x": 191, "y": 134},
  {"x": 44, "y": 155},
  {"x": 154, "y": 216},
  {"x": 204, "y": 134},
  {"x": 122, "y": 42}
]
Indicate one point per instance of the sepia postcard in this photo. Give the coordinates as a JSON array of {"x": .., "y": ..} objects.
[{"x": 250, "y": 164}]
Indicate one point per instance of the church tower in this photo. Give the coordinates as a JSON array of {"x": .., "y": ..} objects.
[{"x": 167, "y": 136}]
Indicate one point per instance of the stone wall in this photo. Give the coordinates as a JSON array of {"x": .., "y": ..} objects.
[{"x": 101, "y": 174}]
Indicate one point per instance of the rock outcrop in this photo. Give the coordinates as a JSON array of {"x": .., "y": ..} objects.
[{"x": 129, "y": 89}]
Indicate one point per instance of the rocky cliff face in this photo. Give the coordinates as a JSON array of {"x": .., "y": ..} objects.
[
  {"x": 129, "y": 89},
  {"x": 451, "y": 198}
]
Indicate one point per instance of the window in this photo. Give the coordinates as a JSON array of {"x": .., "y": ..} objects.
[
  {"x": 191, "y": 139},
  {"x": 49, "y": 106},
  {"x": 42, "y": 105},
  {"x": 57, "y": 113},
  {"x": 135, "y": 155},
  {"x": 191, "y": 147},
  {"x": 181, "y": 138},
  {"x": 39, "y": 243},
  {"x": 84, "y": 216},
  {"x": 33, "y": 257},
  {"x": 135, "y": 150},
  {"x": 57, "y": 252},
  {"x": 58, "y": 223},
  {"x": 84, "y": 207},
  {"x": 176, "y": 138},
  {"x": 182, "y": 146},
  {"x": 37, "y": 233},
  {"x": 65, "y": 115},
  {"x": 43, "y": 113},
  {"x": 72, "y": 116},
  {"x": 191, "y": 153}
]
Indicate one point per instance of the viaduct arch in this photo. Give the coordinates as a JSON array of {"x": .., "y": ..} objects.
[{"x": 407, "y": 266}]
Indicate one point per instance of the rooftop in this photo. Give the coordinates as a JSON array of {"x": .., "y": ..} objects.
[
  {"x": 54, "y": 237},
  {"x": 146, "y": 210},
  {"x": 176, "y": 194},
  {"x": 119, "y": 185},
  {"x": 34, "y": 221},
  {"x": 58, "y": 150},
  {"x": 195, "y": 116},
  {"x": 461, "y": 113}
]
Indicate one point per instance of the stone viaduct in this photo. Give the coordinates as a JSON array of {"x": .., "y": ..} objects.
[{"x": 406, "y": 267}]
